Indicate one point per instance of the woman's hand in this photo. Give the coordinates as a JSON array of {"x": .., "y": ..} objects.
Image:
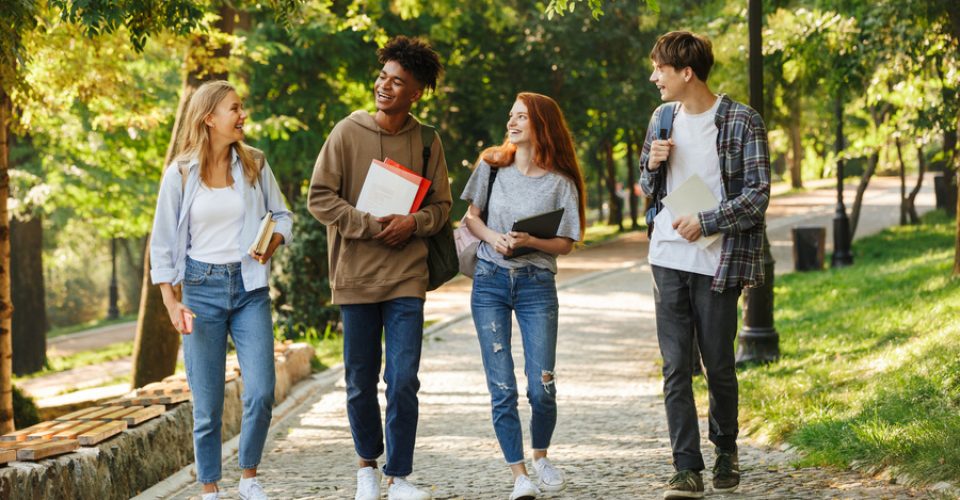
[
  {"x": 178, "y": 316},
  {"x": 275, "y": 242},
  {"x": 518, "y": 239},
  {"x": 502, "y": 245}
]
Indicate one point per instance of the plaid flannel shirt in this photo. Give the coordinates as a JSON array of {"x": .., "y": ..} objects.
[{"x": 745, "y": 169}]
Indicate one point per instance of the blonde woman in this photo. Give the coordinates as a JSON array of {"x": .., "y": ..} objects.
[{"x": 212, "y": 199}]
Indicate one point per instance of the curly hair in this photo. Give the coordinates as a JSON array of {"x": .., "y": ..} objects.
[{"x": 415, "y": 56}]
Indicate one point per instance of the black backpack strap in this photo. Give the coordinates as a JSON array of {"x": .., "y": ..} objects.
[
  {"x": 427, "y": 135},
  {"x": 486, "y": 206}
]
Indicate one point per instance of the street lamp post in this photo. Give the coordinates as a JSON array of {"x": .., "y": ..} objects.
[
  {"x": 758, "y": 341},
  {"x": 842, "y": 256},
  {"x": 113, "y": 312}
]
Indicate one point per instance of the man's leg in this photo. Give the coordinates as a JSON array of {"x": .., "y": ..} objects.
[
  {"x": 716, "y": 315},
  {"x": 403, "y": 323},
  {"x": 362, "y": 353},
  {"x": 675, "y": 333}
]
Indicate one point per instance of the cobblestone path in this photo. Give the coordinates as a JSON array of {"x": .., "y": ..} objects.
[{"x": 611, "y": 437}]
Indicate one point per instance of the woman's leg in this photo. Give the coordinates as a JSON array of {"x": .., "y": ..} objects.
[
  {"x": 252, "y": 330},
  {"x": 537, "y": 308},
  {"x": 491, "y": 306},
  {"x": 204, "y": 352}
]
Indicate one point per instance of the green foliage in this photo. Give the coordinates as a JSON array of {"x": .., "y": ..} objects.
[
  {"x": 870, "y": 365},
  {"x": 141, "y": 18},
  {"x": 24, "y": 410},
  {"x": 301, "y": 280}
]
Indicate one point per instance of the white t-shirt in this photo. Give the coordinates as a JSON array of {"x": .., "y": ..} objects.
[
  {"x": 216, "y": 219},
  {"x": 694, "y": 152}
]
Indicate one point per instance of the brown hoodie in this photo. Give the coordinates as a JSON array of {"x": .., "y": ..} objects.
[{"x": 364, "y": 270}]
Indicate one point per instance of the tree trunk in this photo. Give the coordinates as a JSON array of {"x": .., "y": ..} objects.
[
  {"x": 616, "y": 203},
  {"x": 872, "y": 162},
  {"x": 6, "y": 306},
  {"x": 632, "y": 182},
  {"x": 157, "y": 342},
  {"x": 912, "y": 197},
  {"x": 597, "y": 157},
  {"x": 903, "y": 184},
  {"x": 796, "y": 144},
  {"x": 29, "y": 306}
]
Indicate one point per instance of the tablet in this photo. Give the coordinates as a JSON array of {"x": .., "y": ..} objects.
[{"x": 542, "y": 226}]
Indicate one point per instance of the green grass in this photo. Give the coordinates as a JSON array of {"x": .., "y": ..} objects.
[
  {"x": 64, "y": 330},
  {"x": 870, "y": 368},
  {"x": 56, "y": 364},
  {"x": 600, "y": 232}
]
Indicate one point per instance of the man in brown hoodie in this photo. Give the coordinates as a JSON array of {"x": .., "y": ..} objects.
[{"x": 378, "y": 265}]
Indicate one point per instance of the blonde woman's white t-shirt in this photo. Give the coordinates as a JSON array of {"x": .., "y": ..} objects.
[{"x": 216, "y": 219}]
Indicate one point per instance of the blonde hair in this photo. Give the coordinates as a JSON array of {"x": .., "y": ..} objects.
[{"x": 193, "y": 139}]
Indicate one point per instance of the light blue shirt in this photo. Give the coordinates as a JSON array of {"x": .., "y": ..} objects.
[{"x": 171, "y": 224}]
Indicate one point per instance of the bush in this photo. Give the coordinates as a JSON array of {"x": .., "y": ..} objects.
[
  {"x": 24, "y": 410},
  {"x": 301, "y": 279}
]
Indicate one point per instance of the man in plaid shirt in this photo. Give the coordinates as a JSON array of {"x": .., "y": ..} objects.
[{"x": 697, "y": 284}]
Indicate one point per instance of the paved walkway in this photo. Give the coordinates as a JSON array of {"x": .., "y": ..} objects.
[{"x": 611, "y": 437}]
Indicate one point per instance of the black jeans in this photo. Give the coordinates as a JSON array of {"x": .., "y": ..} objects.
[{"x": 688, "y": 312}]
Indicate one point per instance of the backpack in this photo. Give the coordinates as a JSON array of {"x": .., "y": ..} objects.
[
  {"x": 667, "y": 115},
  {"x": 442, "y": 262}
]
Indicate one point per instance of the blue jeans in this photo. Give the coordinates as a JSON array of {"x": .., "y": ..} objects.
[
  {"x": 531, "y": 293},
  {"x": 399, "y": 323},
  {"x": 215, "y": 293}
]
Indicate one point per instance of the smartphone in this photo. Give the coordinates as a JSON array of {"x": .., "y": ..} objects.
[{"x": 187, "y": 322}]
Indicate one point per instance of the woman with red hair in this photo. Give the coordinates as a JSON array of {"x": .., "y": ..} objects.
[{"x": 533, "y": 172}]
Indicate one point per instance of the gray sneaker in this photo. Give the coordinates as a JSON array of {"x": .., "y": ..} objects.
[
  {"x": 726, "y": 472},
  {"x": 684, "y": 484}
]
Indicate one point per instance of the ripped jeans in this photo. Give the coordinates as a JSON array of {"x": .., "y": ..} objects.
[{"x": 531, "y": 293}]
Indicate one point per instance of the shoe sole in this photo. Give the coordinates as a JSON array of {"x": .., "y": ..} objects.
[
  {"x": 551, "y": 488},
  {"x": 726, "y": 490},
  {"x": 675, "y": 494},
  {"x": 526, "y": 497}
]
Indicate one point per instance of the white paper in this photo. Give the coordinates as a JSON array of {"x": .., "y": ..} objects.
[
  {"x": 386, "y": 193},
  {"x": 692, "y": 197}
]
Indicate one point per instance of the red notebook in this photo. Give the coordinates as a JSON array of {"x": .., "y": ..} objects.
[{"x": 421, "y": 191}]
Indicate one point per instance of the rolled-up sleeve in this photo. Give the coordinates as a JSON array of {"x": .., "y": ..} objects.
[
  {"x": 163, "y": 238},
  {"x": 648, "y": 178}
]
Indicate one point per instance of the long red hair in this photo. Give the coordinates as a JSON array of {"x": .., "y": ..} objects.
[{"x": 552, "y": 146}]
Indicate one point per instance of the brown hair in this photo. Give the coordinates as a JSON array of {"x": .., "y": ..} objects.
[
  {"x": 552, "y": 146},
  {"x": 193, "y": 141},
  {"x": 681, "y": 49}
]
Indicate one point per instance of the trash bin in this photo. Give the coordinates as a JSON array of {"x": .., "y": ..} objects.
[{"x": 808, "y": 247}]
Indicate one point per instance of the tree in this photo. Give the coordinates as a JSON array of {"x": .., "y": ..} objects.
[{"x": 157, "y": 342}]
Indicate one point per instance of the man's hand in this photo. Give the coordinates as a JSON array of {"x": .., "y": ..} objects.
[
  {"x": 688, "y": 226},
  {"x": 659, "y": 152},
  {"x": 397, "y": 229}
]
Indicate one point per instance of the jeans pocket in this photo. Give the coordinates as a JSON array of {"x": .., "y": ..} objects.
[
  {"x": 484, "y": 269},
  {"x": 544, "y": 276},
  {"x": 193, "y": 278}
]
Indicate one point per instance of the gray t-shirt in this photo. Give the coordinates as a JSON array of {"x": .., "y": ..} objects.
[{"x": 514, "y": 197}]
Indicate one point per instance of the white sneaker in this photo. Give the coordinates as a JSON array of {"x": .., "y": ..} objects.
[
  {"x": 402, "y": 490},
  {"x": 523, "y": 489},
  {"x": 368, "y": 484},
  {"x": 250, "y": 489},
  {"x": 549, "y": 478},
  {"x": 210, "y": 496}
]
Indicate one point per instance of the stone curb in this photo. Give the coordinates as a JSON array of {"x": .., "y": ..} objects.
[{"x": 291, "y": 406}]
